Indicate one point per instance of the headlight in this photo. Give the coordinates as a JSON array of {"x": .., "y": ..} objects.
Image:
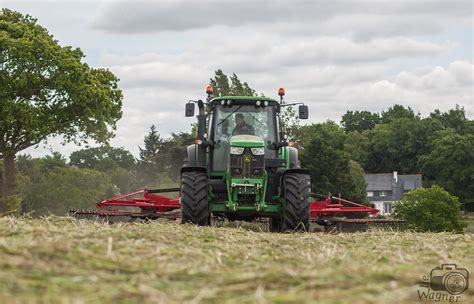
[
  {"x": 258, "y": 151},
  {"x": 236, "y": 150}
]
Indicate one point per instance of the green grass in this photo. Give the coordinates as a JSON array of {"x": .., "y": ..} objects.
[
  {"x": 469, "y": 216},
  {"x": 62, "y": 260}
]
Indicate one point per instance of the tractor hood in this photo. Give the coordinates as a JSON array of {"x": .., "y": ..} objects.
[{"x": 247, "y": 141}]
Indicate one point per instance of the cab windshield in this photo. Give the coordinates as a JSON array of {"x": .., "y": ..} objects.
[{"x": 241, "y": 120}]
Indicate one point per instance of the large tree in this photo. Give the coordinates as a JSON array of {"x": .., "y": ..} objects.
[
  {"x": 102, "y": 158},
  {"x": 332, "y": 171},
  {"x": 359, "y": 121},
  {"x": 224, "y": 85},
  {"x": 46, "y": 90},
  {"x": 149, "y": 167},
  {"x": 450, "y": 163},
  {"x": 396, "y": 146},
  {"x": 162, "y": 158},
  {"x": 396, "y": 112},
  {"x": 117, "y": 163},
  {"x": 452, "y": 119}
]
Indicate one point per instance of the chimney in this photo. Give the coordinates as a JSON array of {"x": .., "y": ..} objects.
[{"x": 395, "y": 176}]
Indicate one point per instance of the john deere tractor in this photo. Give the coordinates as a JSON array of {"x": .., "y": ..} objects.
[{"x": 241, "y": 166}]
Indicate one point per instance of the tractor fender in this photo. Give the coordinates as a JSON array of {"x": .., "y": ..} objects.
[
  {"x": 193, "y": 169},
  {"x": 191, "y": 159},
  {"x": 297, "y": 171},
  {"x": 294, "y": 161},
  {"x": 291, "y": 171}
]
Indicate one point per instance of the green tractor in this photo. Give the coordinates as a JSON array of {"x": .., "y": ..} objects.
[{"x": 241, "y": 166}]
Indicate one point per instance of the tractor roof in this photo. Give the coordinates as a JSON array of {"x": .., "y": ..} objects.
[{"x": 243, "y": 99}]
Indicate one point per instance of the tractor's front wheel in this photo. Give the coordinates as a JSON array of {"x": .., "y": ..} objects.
[
  {"x": 194, "y": 207},
  {"x": 297, "y": 189}
]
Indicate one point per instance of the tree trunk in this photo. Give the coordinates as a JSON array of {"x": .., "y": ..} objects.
[{"x": 9, "y": 177}]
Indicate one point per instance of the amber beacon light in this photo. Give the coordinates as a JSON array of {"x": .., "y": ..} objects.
[{"x": 281, "y": 91}]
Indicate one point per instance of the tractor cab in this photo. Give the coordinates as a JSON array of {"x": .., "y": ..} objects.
[
  {"x": 240, "y": 124},
  {"x": 241, "y": 166}
]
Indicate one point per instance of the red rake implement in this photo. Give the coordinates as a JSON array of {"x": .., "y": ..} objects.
[
  {"x": 149, "y": 206},
  {"x": 337, "y": 214},
  {"x": 334, "y": 213}
]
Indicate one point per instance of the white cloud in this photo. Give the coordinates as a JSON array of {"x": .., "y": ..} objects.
[
  {"x": 157, "y": 88},
  {"x": 454, "y": 80},
  {"x": 334, "y": 55},
  {"x": 362, "y": 18},
  {"x": 244, "y": 52}
]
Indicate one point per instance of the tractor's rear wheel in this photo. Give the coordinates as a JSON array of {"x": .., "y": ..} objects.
[
  {"x": 194, "y": 207},
  {"x": 297, "y": 189}
]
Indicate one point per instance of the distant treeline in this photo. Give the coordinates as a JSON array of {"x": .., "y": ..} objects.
[{"x": 439, "y": 146}]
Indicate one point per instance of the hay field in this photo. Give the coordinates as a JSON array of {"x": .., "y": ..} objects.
[{"x": 63, "y": 260}]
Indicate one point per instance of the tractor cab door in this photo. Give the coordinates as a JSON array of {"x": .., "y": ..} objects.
[{"x": 239, "y": 120}]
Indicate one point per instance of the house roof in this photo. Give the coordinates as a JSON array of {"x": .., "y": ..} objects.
[
  {"x": 379, "y": 182},
  {"x": 386, "y": 181},
  {"x": 410, "y": 181}
]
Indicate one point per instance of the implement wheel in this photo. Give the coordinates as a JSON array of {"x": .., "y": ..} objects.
[
  {"x": 194, "y": 208},
  {"x": 297, "y": 189}
]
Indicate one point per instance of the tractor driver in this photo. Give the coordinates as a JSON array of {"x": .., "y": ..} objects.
[{"x": 241, "y": 127}]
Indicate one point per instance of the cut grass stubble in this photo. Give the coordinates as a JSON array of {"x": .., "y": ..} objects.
[{"x": 60, "y": 259}]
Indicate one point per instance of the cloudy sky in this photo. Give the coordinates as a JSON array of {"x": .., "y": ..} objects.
[{"x": 333, "y": 55}]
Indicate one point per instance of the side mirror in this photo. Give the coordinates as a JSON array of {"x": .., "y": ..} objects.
[
  {"x": 303, "y": 112},
  {"x": 189, "y": 109}
]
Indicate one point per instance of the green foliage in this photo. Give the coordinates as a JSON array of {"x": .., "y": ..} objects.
[
  {"x": 358, "y": 191},
  {"x": 62, "y": 189},
  {"x": 153, "y": 143},
  {"x": 224, "y": 85},
  {"x": 48, "y": 184},
  {"x": 359, "y": 121},
  {"x": 453, "y": 119},
  {"x": 117, "y": 163},
  {"x": 396, "y": 146},
  {"x": 35, "y": 168},
  {"x": 430, "y": 210},
  {"x": 322, "y": 152},
  {"x": 396, "y": 112},
  {"x": 174, "y": 153},
  {"x": 1, "y": 182},
  {"x": 357, "y": 145},
  {"x": 450, "y": 163},
  {"x": 438, "y": 146},
  {"x": 46, "y": 90},
  {"x": 102, "y": 158},
  {"x": 162, "y": 158},
  {"x": 12, "y": 205},
  {"x": 289, "y": 122},
  {"x": 149, "y": 166}
]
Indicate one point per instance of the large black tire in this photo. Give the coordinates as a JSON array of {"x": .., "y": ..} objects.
[
  {"x": 194, "y": 207},
  {"x": 297, "y": 189}
]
